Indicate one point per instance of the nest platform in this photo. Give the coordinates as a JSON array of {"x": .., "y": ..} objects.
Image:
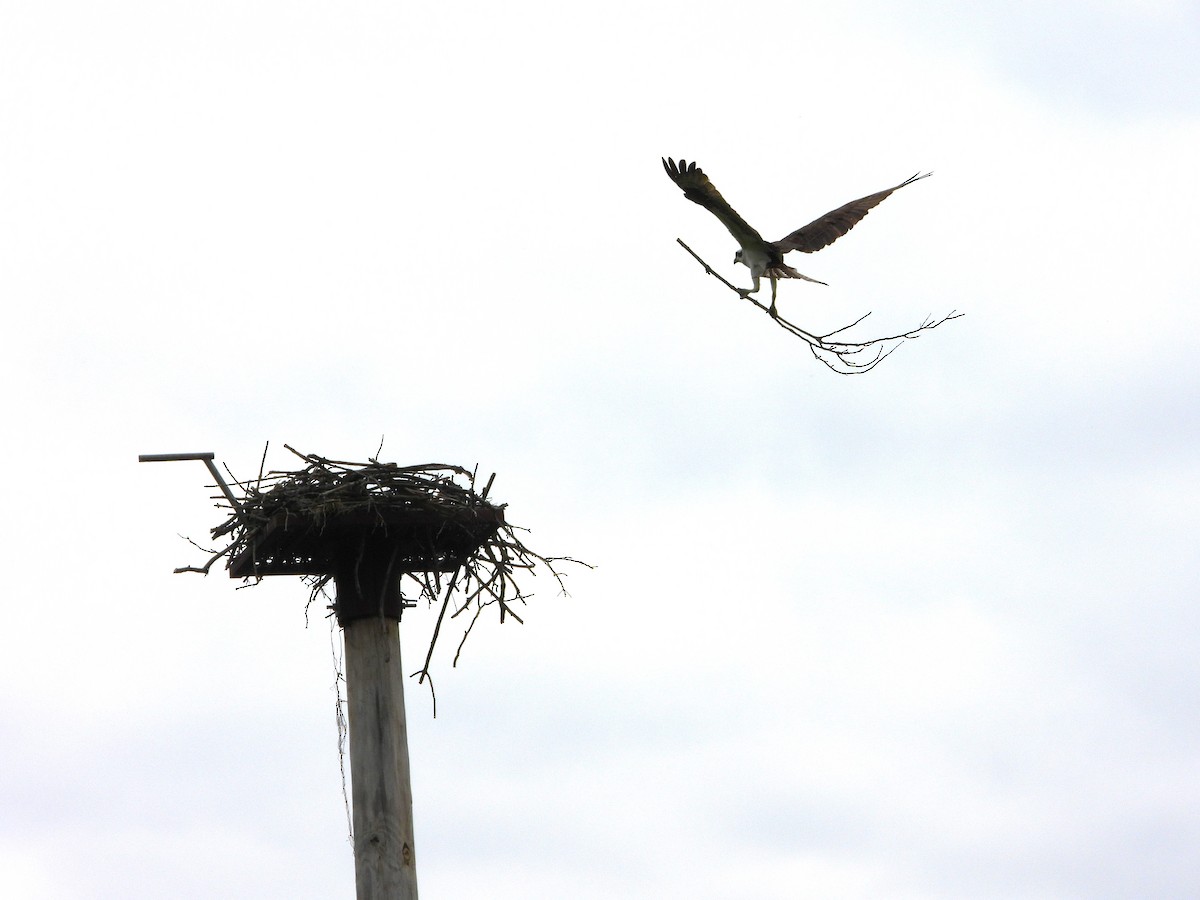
[{"x": 363, "y": 525}]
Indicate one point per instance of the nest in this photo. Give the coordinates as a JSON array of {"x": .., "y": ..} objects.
[{"x": 443, "y": 538}]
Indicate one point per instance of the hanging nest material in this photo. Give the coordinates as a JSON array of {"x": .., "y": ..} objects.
[{"x": 437, "y": 533}]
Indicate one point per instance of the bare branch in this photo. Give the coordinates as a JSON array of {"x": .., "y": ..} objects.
[{"x": 843, "y": 357}]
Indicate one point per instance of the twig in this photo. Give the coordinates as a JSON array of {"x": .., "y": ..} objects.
[{"x": 845, "y": 352}]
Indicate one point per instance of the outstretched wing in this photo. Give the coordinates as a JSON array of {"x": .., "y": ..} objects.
[
  {"x": 831, "y": 226},
  {"x": 697, "y": 188}
]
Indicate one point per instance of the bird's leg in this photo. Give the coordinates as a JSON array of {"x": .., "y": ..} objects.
[
  {"x": 774, "y": 290},
  {"x": 745, "y": 293}
]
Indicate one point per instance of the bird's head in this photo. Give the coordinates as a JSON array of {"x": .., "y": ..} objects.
[{"x": 737, "y": 257}]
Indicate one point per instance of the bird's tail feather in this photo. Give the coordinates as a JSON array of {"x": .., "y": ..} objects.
[{"x": 782, "y": 271}]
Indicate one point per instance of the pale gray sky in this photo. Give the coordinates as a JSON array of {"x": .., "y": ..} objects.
[{"x": 927, "y": 633}]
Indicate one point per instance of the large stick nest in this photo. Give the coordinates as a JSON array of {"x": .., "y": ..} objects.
[
  {"x": 328, "y": 489},
  {"x": 325, "y": 489}
]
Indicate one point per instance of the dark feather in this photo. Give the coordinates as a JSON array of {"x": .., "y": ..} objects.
[
  {"x": 697, "y": 188},
  {"x": 831, "y": 226}
]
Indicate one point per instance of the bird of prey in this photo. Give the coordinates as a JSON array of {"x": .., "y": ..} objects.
[{"x": 766, "y": 257}]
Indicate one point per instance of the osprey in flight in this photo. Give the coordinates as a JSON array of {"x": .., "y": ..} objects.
[{"x": 766, "y": 257}]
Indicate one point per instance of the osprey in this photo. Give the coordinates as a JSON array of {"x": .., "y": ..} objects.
[{"x": 766, "y": 257}]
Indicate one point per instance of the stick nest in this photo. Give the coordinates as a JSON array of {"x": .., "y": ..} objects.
[{"x": 325, "y": 488}]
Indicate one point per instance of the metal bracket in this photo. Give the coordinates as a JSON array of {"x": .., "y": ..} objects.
[{"x": 207, "y": 459}]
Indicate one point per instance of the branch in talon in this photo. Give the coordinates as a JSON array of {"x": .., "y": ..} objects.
[{"x": 846, "y": 353}]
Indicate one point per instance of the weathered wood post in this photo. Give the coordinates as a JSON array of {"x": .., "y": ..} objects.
[
  {"x": 368, "y": 609},
  {"x": 364, "y": 527},
  {"x": 384, "y": 859},
  {"x": 367, "y": 550}
]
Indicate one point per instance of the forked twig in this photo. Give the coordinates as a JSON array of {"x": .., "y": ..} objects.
[{"x": 842, "y": 357}]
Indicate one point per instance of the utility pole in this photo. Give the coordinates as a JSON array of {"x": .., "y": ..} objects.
[
  {"x": 366, "y": 548},
  {"x": 367, "y": 551}
]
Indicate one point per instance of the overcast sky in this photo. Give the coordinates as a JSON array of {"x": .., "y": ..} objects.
[{"x": 929, "y": 632}]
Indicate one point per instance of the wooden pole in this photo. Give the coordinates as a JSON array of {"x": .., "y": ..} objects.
[
  {"x": 366, "y": 545},
  {"x": 384, "y": 856}
]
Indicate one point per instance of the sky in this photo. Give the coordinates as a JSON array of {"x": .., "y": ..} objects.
[{"x": 927, "y": 632}]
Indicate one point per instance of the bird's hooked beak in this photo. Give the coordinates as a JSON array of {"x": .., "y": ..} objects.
[{"x": 737, "y": 257}]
